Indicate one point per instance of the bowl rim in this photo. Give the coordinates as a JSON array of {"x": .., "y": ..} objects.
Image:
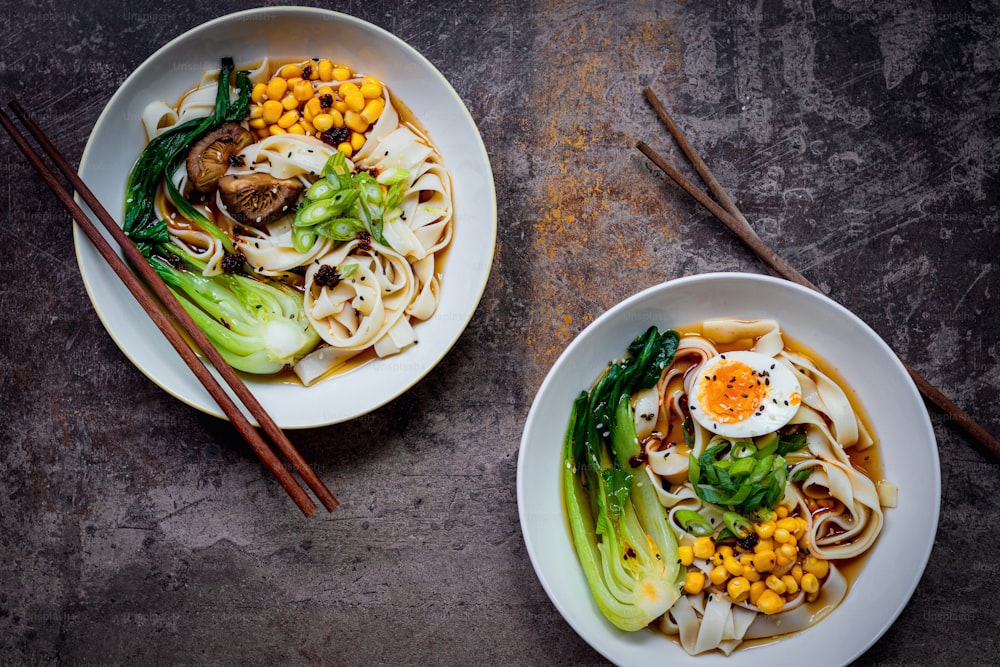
[
  {"x": 919, "y": 558},
  {"x": 479, "y": 148}
]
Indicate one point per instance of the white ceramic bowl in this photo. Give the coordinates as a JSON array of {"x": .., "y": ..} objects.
[
  {"x": 893, "y": 567},
  {"x": 297, "y": 33}
]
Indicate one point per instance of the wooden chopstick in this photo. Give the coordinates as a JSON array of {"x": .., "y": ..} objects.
[
  {"x": 730, "y": 216},
  {"x": 166, "y": 297}
]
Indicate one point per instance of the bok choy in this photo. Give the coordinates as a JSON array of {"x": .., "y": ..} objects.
[
  {"x": 620, "y": 530},
  {"x": 257, "y": 326}
]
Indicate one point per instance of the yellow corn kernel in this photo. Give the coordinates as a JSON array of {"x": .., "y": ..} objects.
[
  {"x": 718, "y": 575},
  {"x": 781, "y": 511},
  {"x": 764, "y": 561},
  {"x": 340, "y": 106},
  {"x": 797, "y": 573},
  {"x": 811, "y": 597},
  {"x": 289, "y": 102},
  {"x": 308, "y": 128},
  {"x": 256, "y": 111},
  {"x": 751, "y": 573},
  {"x": 703, "y": 547},
  {"x": 783, "y": 536},
  {"x": 296, "y": 128},
  {"x": 341, "y": 73},
  {"x": 810, "y": 584},
  {"x": 352, "y": 96},
  {"x": 311, "y": 71},
  {"x": 765, "y": 530},
  {"x": 303, "y": 91},
  {"x": 294, "y": 81},
  {"x": 324, "y": 69},
  {"x": 272, "y": 111},
  {"x": 816, "y": 566},
  {"x": 263, "y": 133},
  {"x": 373, "y": 109},
  {"x": 694, "y": 582},
  {"x": 732, "y": 566},
  {"x": 746, "y": 560},
  {"x": 354, "y": 100},
  {"x": 322, "y": 122},
  {"x": 288, "y": 119},
  {"x": 338, "y": 118},
  {"x": 258, "y": 92},
  {"x": 355, "y": 122},
  {"x": 724, "y": 550},
  {"x": 324, "y": 91},
  {"x": 345, "y": 148},
  {"x": 716, "y": 558},
  {"x": 371, "y": 88},
  {"x": 257, "y": 123},
  {"x": 775, "y": 584},
  {"x": 291, "y": 70},
  {"x": 788, "y": 551},
  {"x": 770, "y": 602},
  {"x": 788, "y": 523},
  {"x": 764, "y": 545},
  {"x": 313, "y": 106},
  {"x": 791, "y": 586},
  {"x": 756, "y": 588},
  {"x": 738, "y": 589},
  {"x": 276, "y": 88},
  {"x": 276, "y": 129},
  {"x": 686, "y": 555}
]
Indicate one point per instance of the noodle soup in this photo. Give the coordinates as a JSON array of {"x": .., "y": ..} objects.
[
  {"x": 722, "y": 489},
  {"x": 298, "y": 212}
]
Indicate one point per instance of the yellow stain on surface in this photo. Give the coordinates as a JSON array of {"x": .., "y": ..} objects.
[{"x": 599, "y": 214}]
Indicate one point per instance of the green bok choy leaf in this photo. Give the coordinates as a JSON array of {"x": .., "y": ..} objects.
[
  {"x": 257, "y": 326},
  {"x": 161, "y": 157},
  {"x": 620, "y": 530}
]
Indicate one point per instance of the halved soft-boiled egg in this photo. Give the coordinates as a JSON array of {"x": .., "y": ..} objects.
[{"x": 744, "y": 394}]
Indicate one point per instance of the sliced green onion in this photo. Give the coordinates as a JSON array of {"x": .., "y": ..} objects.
[
  {"x": 347, "y": 270},
  {"x": 693, "y": 523},
  {"x": 737, "y": 525},
  {"x": 743, "y": 467},
  {"x": 321, "y": 189},
  {"x": 340, "y": 229},
  {"x": 801, "y": 475}
]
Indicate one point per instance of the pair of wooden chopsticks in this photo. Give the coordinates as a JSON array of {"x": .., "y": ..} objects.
[
  {"x": 723, "y": 208},
  {"x": 166, "y": 297}
]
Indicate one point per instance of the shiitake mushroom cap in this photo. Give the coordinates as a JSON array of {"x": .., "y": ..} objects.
[
  {"x": 258, "y": 199},
  {"x": 208, "y": 159}
]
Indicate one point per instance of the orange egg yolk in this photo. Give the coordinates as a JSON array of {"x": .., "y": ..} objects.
[{"x": 732, "y": 392}]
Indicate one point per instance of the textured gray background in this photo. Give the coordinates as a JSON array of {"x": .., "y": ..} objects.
[{"x": 860, "y": 139}]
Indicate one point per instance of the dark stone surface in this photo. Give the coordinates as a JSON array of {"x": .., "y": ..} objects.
[{"x": 860, "y": 139}]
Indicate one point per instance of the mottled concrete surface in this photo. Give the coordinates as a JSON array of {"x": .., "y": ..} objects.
[{"x": 859, "y": 137}]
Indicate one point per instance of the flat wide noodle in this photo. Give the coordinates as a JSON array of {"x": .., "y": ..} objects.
[
  {"x": 709, "y": 620},
  {"x": 830, "y": 595},
  {"x": 361, "y": 309},
  {"x": 425, "y": 224}
]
